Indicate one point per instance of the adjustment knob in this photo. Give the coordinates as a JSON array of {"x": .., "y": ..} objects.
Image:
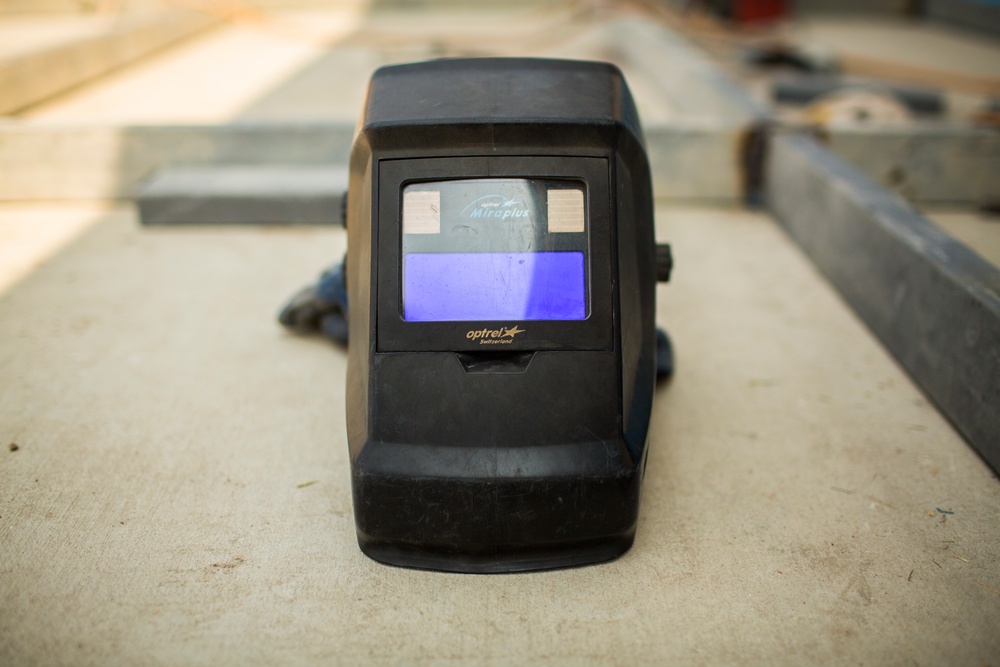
[{"x": 664, "y": 262}]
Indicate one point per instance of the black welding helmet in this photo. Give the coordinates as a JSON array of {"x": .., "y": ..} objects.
[{"x": 501, "y": 273}]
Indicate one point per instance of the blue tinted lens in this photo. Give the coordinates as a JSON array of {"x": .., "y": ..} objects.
[{"x": 494, "y": 286}]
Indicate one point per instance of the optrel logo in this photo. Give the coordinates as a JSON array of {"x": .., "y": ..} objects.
[
  {"x": 497, "y": 207},
  {"x": 501, "y": 336}
]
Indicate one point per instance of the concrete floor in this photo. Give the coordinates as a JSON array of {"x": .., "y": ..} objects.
[{"x": 180, "y": 492}]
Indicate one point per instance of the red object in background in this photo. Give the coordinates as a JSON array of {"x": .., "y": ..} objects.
[{"x": 759, "y": 11}]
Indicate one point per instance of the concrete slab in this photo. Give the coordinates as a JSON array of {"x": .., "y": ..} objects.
[
  {"x": 48, "y": 58},
  {"x": 212, "y": 78},
  {"x": 106, "y": 161},
  {"x": 180, "y": 491},
  {"x": 235, "y": 194},
  {"x": 928, "y": 164},
  {"x": 21, "y": 35}
]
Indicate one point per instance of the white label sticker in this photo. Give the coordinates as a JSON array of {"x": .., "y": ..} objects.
[
  {"x": 422, "y": 212},
  {"x": 565, "y": 211}
]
